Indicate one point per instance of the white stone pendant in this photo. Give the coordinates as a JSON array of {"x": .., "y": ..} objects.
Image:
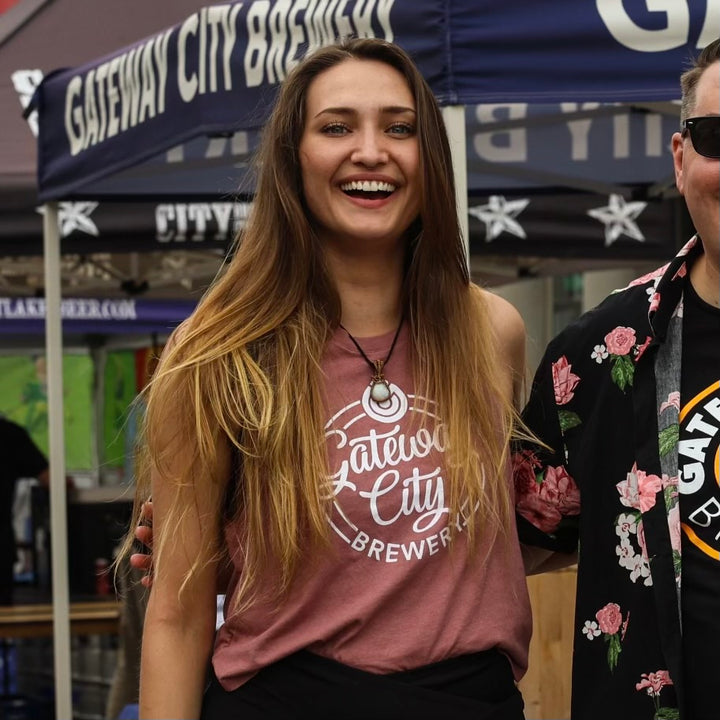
[{"x": 380, "y": 390}]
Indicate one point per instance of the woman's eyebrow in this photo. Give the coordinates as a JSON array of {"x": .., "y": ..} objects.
[{"x": 389, "y": 110}]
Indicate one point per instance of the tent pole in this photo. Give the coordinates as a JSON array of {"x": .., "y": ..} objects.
[
  {"x": 58, "y": 493},
  {"x": 454, "y": 116}
]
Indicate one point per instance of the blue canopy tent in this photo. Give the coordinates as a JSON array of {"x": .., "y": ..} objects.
[{"x": 172, "y": 116}]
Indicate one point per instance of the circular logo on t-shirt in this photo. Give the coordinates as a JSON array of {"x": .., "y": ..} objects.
[
  {"x": 699, "y": 461},
  {"x": 389, "y": 492}
]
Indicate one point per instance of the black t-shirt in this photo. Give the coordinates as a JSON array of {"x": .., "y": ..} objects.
[
  {"x": 699, "y": 458},
  {"x": 19, "y": 457}
]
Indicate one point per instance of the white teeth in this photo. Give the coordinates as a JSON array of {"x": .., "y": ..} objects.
[{"x": 368, "y": 186}]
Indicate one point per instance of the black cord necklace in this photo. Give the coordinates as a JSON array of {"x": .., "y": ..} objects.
[{"x": 379, "y": 386}]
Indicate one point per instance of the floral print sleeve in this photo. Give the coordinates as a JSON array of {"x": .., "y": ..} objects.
[{"x": 547, "y": 497}]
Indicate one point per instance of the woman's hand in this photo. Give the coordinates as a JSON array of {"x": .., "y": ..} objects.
[
  {"x": 144, "y": 533},
  {"x": 144, "y": 561}
]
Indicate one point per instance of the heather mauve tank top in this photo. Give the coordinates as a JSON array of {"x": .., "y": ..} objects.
[{"x": 391, "y": 594}]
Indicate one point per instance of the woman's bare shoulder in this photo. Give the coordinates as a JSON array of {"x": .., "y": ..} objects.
[
  {"x": 509, "y": 330},
  {"x": 505, "y": 319}
]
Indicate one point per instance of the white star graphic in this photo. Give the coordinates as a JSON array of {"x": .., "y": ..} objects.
[
  {"x": 75, "y": 216},
  {"x": 499, "y": 216},
  {"x": 25, "y": 83},
  {"x": 619, "y": 218}
]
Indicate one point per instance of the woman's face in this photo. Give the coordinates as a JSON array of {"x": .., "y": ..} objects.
[{"x": 359, "y": 155}]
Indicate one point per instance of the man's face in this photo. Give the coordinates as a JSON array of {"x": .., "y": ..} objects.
[{"x": 698, "y": 177}]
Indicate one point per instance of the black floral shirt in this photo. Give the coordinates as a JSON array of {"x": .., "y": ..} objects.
[{"x": 606, "y": 400}]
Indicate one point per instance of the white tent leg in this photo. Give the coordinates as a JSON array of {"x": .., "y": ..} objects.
[
  {"x": 454, "y": 116},
  {"x": 58, "y": 495}
]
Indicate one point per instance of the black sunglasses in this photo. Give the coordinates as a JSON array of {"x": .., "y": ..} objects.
[{"x": 705, "y": 134}]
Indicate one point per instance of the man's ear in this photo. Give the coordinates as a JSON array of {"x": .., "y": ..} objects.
[{"x": 678, "y": 149}]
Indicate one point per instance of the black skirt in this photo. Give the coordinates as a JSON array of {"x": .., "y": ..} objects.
[{"x": 304, "y": 685}]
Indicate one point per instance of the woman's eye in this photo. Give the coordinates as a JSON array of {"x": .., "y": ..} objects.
[
  {"x": 401, "y": 129},
  {"x": 335, "y": 129}
]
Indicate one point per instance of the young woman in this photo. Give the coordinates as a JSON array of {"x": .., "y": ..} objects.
[{"x": 329, "y": 430}]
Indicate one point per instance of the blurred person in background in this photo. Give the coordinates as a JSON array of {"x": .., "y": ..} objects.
[{"x": 19, "y": 458}]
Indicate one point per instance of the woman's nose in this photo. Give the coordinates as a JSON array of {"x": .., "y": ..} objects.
[{"x": 371, "y": 149}]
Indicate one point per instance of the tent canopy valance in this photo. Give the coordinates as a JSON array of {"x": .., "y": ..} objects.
[
  {"x": 102, "y": 316},
  {"x": 216, "y": 73}
]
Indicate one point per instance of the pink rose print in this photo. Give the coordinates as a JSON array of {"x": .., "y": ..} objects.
[
  {"x": 625, "y": 627},
  {"x": 673, "y": 400},
  {"x": 670, "y": 482},
  {"x": 654, "y": 301},
  {"x": 523, "y": 468},
  {"x": 654, "y": 682},
  {"x": 640, "y": 349},
  {"x": 649, "y": 486},
  {"x": 609, "y": 623},
  {"x": 544, "y": 503},
  {"x": 620, "y": 341},
  {"x": 536, "y": 510},
  {"x": 559, "y": 489},
  {"x": 609, "y": 618},
  {"x": 639, "y": 489},
  {"x": 564, "y": 381}
]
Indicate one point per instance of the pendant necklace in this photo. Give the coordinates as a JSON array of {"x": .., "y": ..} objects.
[{"x": 379, "y": 386}]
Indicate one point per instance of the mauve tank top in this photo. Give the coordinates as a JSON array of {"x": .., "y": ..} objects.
[{"x": 391, "y": 594}]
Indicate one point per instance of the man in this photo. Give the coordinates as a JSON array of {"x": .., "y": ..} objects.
[
  {"x": 19, "y": 457},
  {"x": 627, "y": 399}
]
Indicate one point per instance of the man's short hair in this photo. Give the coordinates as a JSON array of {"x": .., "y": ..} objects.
[{"x": 690, "y": 78}]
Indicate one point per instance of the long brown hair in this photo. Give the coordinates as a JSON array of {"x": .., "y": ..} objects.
[{"x": 244, "y": 372}]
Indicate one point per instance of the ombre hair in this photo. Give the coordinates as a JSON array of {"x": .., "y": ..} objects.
[{"x": 243, "y": 375}]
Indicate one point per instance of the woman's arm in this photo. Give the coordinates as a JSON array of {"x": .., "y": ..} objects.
[{"x": 179, "y": 628}]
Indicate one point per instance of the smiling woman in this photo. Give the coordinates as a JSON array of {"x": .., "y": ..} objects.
[
  {"x": 307, "y": 436},
  {"x": 360, "y": 157}
]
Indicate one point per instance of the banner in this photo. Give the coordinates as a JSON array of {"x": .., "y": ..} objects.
[
  {"x": 217, "y": 72},
  {"x": 527, "y": 227},
  {"x": 26, "y": 315},
  {"x": 88, "y": 227}
]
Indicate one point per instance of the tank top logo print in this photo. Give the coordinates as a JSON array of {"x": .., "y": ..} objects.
[
  {"x": 699, "y": 460},
  {"x": 388, "y": 486}
]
